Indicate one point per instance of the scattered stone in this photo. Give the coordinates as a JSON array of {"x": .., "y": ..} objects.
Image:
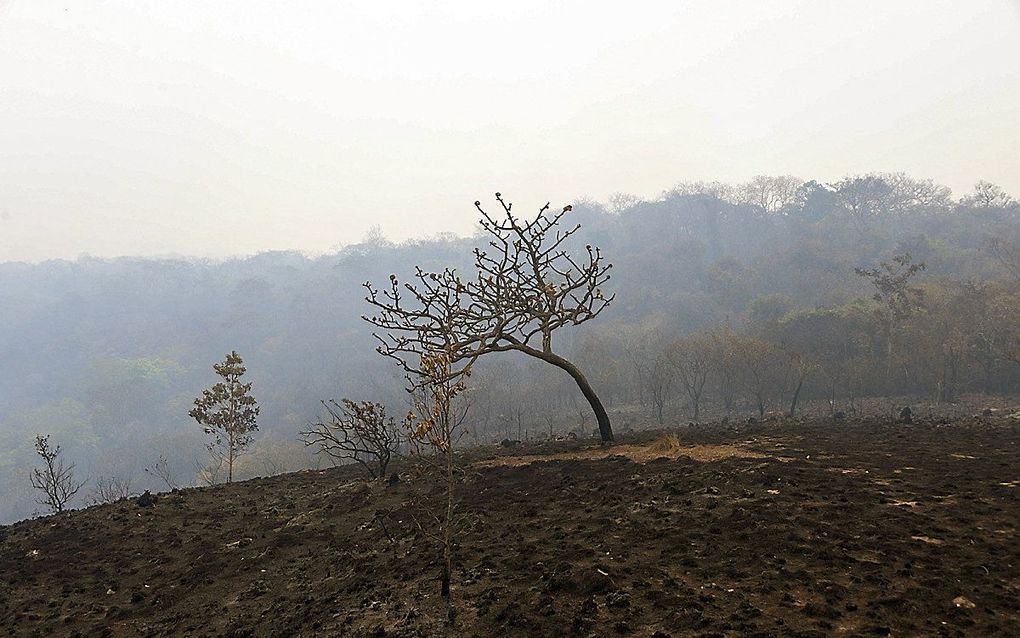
[
  {"x": 964, "y": 602},
  {"x": 618, "y": 599},
  {"x": 906, "y": 415},
  {"x": 510, "y": 443},
  {"x": 146, "y": 500}
]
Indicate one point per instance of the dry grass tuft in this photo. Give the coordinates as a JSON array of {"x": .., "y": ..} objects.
[{"x": 667, "y": 445}]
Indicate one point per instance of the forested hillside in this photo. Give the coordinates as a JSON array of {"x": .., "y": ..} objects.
[{"x": 756, "y": 282}]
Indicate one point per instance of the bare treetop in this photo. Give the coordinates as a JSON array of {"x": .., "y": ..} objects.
[{"x": 525, "y": 288}]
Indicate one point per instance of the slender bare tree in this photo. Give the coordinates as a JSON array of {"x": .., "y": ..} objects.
[
  {"x": 55, "y": 480},
  {"x": 433, "y": 421},
  {"x": 691, "y": 359},
  {"x": 161, "y": 470},
  {"x": 109, "y": 490},
  {"x": 525, "y": 287}
]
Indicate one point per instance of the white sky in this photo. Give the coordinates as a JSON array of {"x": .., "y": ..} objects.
[{"x": 221, "y": 128}]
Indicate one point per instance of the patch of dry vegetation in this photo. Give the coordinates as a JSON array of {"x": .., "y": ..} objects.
[{"x": 667, "y": 446}]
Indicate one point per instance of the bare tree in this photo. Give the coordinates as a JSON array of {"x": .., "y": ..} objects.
[
  {"x": 619, "y": 202},
  {"x": 718, "y": 190},
  {"x": 988, "y": 195},
  {"x": 358, "y": 432},
  {"x": 726, "y": 356},
  {"x": 110, "y": 490},
  {"x": 55, "y": 479},
  {"x": 910, "y": 194},
  {"x": 209, "y": 474},
  {"x": 770, "y": 194},
  {"x": 691, "y": 359},
  {"x": 161, "y": 470},
  {"x": 758, "y": 361},
  {"x": 800, "y": 366},
  {"x": 658, "y": 377},
  {"x": 522, "y": 292}
]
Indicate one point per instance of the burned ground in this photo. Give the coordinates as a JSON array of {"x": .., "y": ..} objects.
[{"x": 804, "y": 529}]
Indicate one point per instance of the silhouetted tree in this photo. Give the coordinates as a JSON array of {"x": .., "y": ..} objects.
[
  {"x": 55, "y": 479},
  {"x": 161, "y": 470},
  {"x": 897, "y": 298}
]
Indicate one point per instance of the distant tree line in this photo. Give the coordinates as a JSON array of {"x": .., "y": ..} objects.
[{"x": 768, "y": 266}]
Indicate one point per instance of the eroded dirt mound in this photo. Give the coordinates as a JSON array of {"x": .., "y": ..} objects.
[{"x": 798, "y": 530}]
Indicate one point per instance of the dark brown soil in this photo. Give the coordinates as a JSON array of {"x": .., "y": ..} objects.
[{"x": 820, "y": 529}]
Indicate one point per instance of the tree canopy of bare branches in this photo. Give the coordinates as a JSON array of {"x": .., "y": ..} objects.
[
  {"x": 359, "y": 432},
  {"x": 55, "y": 479},
  {"x": 161, "y": 470},
  {"x": 109, "y": 490},
  {"x": 525, "y": 287}
]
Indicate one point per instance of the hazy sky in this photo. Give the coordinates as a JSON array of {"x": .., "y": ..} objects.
[{"x": 222, "y": 128}]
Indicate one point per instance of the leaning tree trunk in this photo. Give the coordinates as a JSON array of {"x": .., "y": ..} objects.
[
  {"x": 796, "y": 395},
  {"x": 605, "y": 429}
]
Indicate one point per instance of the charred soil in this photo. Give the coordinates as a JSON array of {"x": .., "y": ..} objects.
[{"x": 857, "y": 528}]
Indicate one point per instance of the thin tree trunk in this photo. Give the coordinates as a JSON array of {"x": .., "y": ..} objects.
[
  {"x": 230, "y": 459},
  {"x": 447, "y": 569},
  {"x": 447, "y": 532}
]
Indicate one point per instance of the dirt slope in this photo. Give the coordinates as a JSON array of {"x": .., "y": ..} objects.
[{"x": 799, "y": 530}]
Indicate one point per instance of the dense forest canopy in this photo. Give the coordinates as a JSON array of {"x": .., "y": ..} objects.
[{"x": 106, "y": 356}]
